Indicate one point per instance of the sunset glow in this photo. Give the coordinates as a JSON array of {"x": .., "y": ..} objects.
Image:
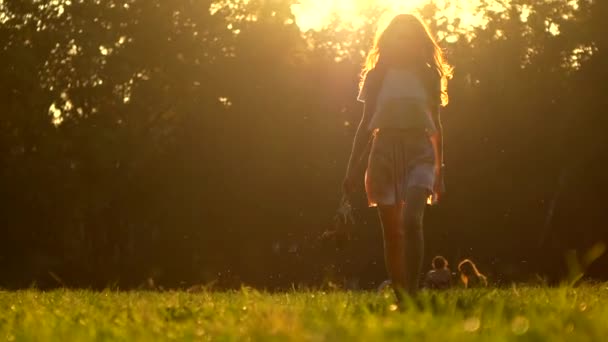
[{"x": 351, "y": 14}]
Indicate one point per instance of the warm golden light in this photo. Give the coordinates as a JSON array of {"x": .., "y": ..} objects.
[{"x": 351, "y": 14}]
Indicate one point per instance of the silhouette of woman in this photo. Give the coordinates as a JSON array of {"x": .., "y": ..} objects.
[
  {"x": 404, "y": 83},
  {"x": 470, "y": 275}
]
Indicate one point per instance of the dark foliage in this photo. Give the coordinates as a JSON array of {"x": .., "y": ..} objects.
[{"x": 148, "y": 139}]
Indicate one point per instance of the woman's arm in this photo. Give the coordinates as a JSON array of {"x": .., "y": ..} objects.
[
  {"x": 437, "y": 140},
  {"x": 359, "y": 150}
]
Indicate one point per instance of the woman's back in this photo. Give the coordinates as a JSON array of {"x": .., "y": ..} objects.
[{"x": 476, "y": 281}]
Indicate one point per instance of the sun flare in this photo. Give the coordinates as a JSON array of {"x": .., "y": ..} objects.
[{"x": 351, "y": 14}]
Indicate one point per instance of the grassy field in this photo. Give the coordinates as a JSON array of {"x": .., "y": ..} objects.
[{"x": 515, "y": 314}]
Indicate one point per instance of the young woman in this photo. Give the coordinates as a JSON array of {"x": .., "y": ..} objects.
[
  {"x": 404, "y": 82},
  {"x": 470, "y": 275}
]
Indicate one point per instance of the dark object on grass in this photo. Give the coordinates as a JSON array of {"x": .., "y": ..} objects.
[{"x": 384, "y": 286}]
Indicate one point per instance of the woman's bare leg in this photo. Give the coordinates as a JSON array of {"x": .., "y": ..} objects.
[
  {"x": 413, "y": 215},
  {"x": 404, "y": 241},
  {"x": 391, "y": 217}
]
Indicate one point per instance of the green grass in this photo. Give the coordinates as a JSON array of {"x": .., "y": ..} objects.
[{"x": 515, "y": 314}]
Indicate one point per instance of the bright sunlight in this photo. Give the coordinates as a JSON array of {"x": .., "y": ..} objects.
[{"x": 352, "y": 14}]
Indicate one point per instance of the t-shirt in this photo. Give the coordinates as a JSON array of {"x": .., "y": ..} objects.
[
  {"x": 402, "y": 100},
  {"x": 438, "y": 279}
]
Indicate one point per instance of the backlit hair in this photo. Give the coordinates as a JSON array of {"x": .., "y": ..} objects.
[
  {"x": 419, "y": 48},
  {"x": 468, "y": 270}
]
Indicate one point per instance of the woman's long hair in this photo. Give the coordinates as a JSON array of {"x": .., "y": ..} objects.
[
  {"x": 408, "y": 41},
  {"x": 468, "y": 270}
]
